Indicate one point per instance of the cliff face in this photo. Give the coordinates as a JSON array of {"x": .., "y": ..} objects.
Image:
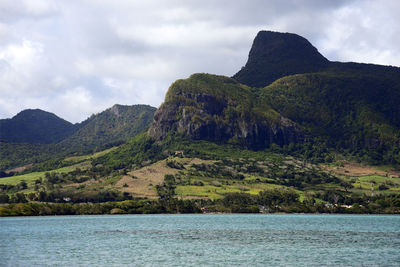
[
  {"x": 217, "y": 108},
  {"x": 287, "y": 91}
]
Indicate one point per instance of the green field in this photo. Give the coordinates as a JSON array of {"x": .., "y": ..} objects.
[
  {"x": 373, "y": 182},
  {"x": 218, "y": 192},
  {"x": 90, "y": 156},
  {"x": 30, "y": 178}
]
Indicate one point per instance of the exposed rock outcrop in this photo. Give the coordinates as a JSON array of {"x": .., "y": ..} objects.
[{"x": 220, "y": 119}]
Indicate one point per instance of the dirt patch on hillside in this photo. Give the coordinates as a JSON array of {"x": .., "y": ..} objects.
[
  {"x": 19, "y": 169},
  {"x": 141, "y": 183},
  {"x": 356, "y": 169}
]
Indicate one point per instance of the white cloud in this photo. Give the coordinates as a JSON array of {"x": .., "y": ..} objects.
[
  {"x": 23, "y": 69},
  {"x": 12, "y": 10},
  {"x": 365, "y": 31}
]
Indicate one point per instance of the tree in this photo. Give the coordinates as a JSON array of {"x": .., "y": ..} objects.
[
  {"x": 23, "y": 185},
  {"x": 19, "y": 198},
  {"x": 4, "y": 198}
]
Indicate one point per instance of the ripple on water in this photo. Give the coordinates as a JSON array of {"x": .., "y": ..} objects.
[{"x": 193, "y": 240}]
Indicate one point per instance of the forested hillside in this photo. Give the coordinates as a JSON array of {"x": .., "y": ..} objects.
[
  {"x": 111, "y": 127},
  {"x": 290, "y": 132},
  {"x": 35, "y": 126}
]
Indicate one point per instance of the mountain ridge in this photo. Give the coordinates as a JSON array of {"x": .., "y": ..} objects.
[
  {"x": 111, "y": 127},
  {"x": 35, "y": 126},
  {"x": 344, "y": 106},
  {"x": 303, "y": 142}
]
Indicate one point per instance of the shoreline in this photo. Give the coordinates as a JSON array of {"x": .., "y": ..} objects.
[{"x": 206, "y": 214}]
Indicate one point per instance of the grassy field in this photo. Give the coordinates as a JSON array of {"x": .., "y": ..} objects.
[
  {"x": 217, "y": 192},
  {"x": 81, "y": 162},
  {"x": 30, "y": 178},
  {"x": 210, "y": 182},
  {"x": 90, "y": 156}
]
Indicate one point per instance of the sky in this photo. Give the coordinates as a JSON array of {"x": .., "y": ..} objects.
[{"x": 76, "y": 58}]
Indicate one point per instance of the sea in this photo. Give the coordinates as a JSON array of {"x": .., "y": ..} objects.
[{"x": 201, "y": 240}]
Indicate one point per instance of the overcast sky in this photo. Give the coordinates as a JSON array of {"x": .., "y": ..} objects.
[{"x": 79, "y": 57}]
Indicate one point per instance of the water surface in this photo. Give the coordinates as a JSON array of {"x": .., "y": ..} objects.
[{"x": 193, "y": 240}]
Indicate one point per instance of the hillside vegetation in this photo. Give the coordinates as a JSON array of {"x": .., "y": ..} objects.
[
  {"x": 35, "y": 126},
  {"x": 290, "y": 132},
  {"x": 321, "y": 106},
  {"x": 207, "y": 176},
  {"x": 109, "y": 128}
]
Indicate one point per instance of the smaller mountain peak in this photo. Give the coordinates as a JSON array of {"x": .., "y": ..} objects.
[
  {"x": 35, "y": 126},
  {"x": 33, "y": 112},
  {"x": 274, "y": 55},
  {"x": 115, "y": 110}
]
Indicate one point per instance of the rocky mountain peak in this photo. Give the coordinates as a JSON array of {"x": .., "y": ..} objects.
[{"x": 274, "y": 55}]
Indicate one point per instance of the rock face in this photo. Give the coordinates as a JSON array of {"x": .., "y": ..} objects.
[
  {"x": 347, "y": 105},
  {"x": 274, "y": 55},
  {"x": 220, "y": 118}
]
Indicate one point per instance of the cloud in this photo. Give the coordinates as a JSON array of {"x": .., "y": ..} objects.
[
  {"x": 75, "y": 58},
  {"x": 366, "y": 33},
  {"x": 13, "y": 10}
]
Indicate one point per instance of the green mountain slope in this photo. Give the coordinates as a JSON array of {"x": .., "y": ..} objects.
[
  {"x": 291, "y": 132},
  {"x": 35, "y": 126},
  {"x": 219, "y": 109},
  {"x": 111, "y": 127},
  {"x": 354, "y": 111},
  {"x": 345, "y": 107}
]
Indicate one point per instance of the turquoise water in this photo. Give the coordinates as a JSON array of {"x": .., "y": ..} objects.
[{"x": 193, "y": 240}]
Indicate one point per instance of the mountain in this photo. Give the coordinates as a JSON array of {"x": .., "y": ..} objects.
[
  {"x": 274, "y": 55},
  {"x": 290, "y": 132},
  {"x": 111, "y": 127},
  {"x": 35, "y": 126},
  {"x": 288, "y": 93},
  {"x": 219, "y": 109}
]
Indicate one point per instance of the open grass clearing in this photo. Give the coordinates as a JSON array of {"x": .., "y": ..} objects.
[
  {"x": 217, "y": 192},
  {"x": 30, "y": 178},
  {"x": 90, "y": 156}
]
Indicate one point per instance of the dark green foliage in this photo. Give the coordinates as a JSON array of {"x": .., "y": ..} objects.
[
  {"x": 4, "y": 198},
  {"x": 271, "y": 200},
  {"x": 109, "y": 128},
  {"x": 174, "y": 164},
  {"x": 23, "y": 185},
  {"x": 127, "y": 206},
  {"x": 327, "y": 106},
  {"x": 354, "y": 111},
  {"x": 104, "y": 130},
  {"x": 138, "y": 151},
  {"x": 14, "y": 155},
  {"x": 166, "y": 191},
  {"x": 277, "y": 197},
  {"x": 383, "y": 187},
  {"x": 35, "y": 126}
]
